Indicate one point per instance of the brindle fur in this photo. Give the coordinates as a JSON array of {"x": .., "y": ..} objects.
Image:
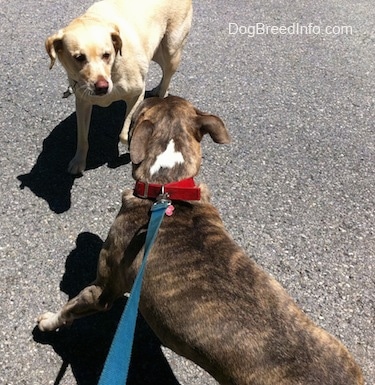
[{"x": 202, "y": 295}]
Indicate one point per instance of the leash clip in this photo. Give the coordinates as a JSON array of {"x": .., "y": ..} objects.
[
  {"x": 163, "y": 197},
  {"x": 163, "y": 203}
]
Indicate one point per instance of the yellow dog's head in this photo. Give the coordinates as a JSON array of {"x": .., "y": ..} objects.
[{"x": 87, "y": 50}]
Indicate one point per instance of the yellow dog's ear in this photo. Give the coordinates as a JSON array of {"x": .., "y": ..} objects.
[
  {"x": 54, "y": 44},
  {"x": 116, "y": 39}
]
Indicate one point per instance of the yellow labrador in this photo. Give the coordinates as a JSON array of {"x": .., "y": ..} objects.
[{"x": 107, "y": 51}]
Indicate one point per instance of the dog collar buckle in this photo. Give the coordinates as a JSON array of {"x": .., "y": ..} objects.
[{"x": 144, "y": 194}]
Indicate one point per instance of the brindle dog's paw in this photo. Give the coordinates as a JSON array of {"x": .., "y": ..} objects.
[{"x": 48, "y": 322}]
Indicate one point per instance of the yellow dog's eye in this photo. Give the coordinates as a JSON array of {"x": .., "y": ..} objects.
[
  {"x": 80, "y": 58},
  {"x": 106, "y": 56}
]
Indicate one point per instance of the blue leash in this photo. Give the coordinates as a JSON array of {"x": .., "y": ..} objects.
[{"x": 116, "y": 367}]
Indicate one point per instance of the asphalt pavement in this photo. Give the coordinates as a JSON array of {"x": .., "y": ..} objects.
[{"x": 293, "y": 81}]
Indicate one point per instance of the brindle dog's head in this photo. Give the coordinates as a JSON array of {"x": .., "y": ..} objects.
[{"x": 165, "y": 139}]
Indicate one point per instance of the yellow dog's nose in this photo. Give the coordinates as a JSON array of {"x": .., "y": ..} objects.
[{"x": 101, "y": 87}]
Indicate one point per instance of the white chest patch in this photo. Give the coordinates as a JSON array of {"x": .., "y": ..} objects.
[{"x": 168, "y": 159}]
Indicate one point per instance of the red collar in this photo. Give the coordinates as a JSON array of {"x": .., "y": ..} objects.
[{"x": 183, "y": 190}]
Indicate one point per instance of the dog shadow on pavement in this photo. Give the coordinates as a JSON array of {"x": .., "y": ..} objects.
[
  {"x": 85, "y": 344},
  {"x": 49, "y": 179}
]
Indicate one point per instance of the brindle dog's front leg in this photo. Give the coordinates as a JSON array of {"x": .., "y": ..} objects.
[
  {"x": 99, "y": 296},
  {"x": 85, "y": 303}
]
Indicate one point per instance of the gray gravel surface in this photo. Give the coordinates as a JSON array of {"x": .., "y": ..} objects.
[{"x": 295, "y": 187}]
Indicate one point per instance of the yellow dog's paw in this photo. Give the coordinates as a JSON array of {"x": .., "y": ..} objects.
[
  {"x": 124, "y": 137},
  {"x": 77, "y": 165}
]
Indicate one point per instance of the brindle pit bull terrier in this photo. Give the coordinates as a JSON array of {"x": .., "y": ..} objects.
[{"x": 202, "y": 295}]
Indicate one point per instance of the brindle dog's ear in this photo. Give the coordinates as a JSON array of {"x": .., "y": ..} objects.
[
  {"x": 212, "y": 125},
  {"x": 139, "y": 141},
  {"x": 53, "y": 45}
]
